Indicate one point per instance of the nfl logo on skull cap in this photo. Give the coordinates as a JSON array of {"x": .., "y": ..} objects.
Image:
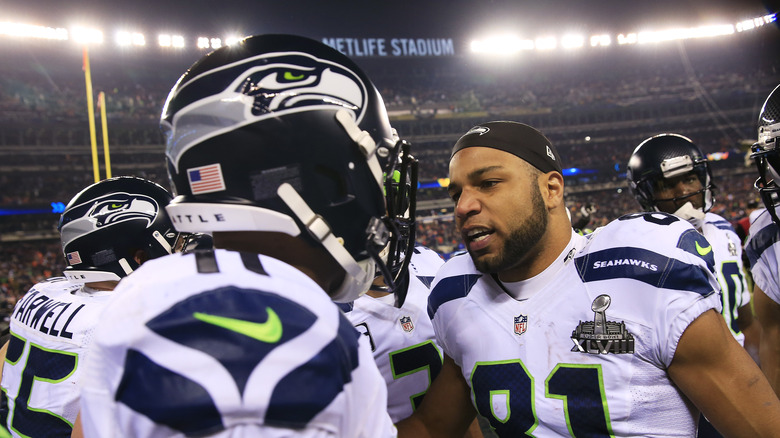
[
  {"x": 521, "y": 324},
  {"x": 206, "y": 179},
  {"x": 407, "y": 324}
]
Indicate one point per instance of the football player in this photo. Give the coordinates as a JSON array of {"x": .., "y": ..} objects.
[
  {"x": 272, "y": 146},
  {"x": 549, "y": 333},
  {"x": 107, "y": 230},
  {"x": 669, "y": 173},
  {"x": 762, "y": 245}
]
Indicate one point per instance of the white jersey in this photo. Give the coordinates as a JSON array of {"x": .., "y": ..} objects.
[
  {"x": 762, "y": 249},
  {"x": 51, "y": 329},
  {"x": 228, "y": 344},
  {"x": 402, "y": 338},
  {"x": 582, "y": 348},
  {"x": 727, "y": 249}
]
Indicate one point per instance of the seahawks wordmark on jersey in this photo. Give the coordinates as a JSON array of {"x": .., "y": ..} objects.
[
  {"x": 402, "y": 338},
  {"x": 582, "y": 348},
  {"x": 228, "y": 344},
  {"x": 762, "y": 250},
  {"x": 727, "y": 250},
  {"x": 51, "y": 329}
]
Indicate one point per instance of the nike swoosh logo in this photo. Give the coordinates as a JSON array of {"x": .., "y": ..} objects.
[
  {"x": 703, "y": 251},
  {"x": 269, "y": 332}
]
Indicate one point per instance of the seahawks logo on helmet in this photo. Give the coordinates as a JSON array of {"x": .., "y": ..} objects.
[
  {"x": 123, "y": 207},
  {"x": 108, "y": 210},
  {"x": 264, "y": 86}
]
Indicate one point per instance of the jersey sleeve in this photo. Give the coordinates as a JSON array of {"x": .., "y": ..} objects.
[{"x": 681, "y": 283}]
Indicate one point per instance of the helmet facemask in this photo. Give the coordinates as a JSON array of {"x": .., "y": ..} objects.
[
  {"x": 767, "y": 161},
  {"x": 765, "y": 153},
  {"x": 400, "y": 184}
]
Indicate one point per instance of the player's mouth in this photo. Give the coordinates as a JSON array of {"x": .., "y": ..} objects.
[{"x": 477, "y": 238}]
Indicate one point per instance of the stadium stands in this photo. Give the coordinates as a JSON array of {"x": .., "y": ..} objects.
[{"x": 595, "y": 108}]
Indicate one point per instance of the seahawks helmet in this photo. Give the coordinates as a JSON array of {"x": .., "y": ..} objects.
[
  {"x": 281, "y": 133},
  {"x": 105, "y": 225},
  {"x": 669, "y": 156},
  {"x": 765, "y": 153}
]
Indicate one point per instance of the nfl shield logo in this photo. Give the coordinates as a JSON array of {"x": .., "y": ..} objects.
[
  {"x": 521, "y": 324},
  {"x": 407, "y": 324}
]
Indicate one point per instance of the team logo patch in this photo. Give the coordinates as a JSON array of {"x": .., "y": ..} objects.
[
  {"x": 206, "y": 179},
  {"x": 73, "y": 258},
  {"x": 481, "y": 130},
  {"x": 407, "y": 324},
  {"x": 521, "y": 324},
  {"x": 602, "y": 336}
]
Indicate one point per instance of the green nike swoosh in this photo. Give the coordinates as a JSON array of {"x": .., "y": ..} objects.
[
  {"x": 703, "y": 251},
  {"x": 269, "y": 331}
]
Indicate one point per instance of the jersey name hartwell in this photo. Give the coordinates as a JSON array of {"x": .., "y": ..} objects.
[{"x": 46, "y": 315}]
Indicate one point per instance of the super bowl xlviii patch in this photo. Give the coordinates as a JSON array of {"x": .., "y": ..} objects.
[
  {"x": 601, "y": 336},
  {"x": 521, "y": 324},
  {"x": 407, "y": 324}
]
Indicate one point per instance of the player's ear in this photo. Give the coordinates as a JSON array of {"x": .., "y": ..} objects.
[{"x": 551, "y": 186}]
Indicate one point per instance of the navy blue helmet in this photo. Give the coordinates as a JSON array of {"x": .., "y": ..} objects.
[
  {"x": 104, "y": 227},
  {"x": 765, "y": 153},
  {"x": 282, "y": 133},
  {"x": 667, "y": 156}
]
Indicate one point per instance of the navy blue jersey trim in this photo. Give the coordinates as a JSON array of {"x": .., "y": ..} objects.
[
  {"x": 427, "y": 280},
  {"x": 759, "y": 243},
  {"x": 186, "y": 405},
  {"x": 448, "y": 289},
  {"x": 695, "y": 243},
  {"x": 645, "y": 266}
]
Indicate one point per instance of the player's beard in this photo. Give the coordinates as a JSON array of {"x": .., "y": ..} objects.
[{"x": 521, "y": 240}]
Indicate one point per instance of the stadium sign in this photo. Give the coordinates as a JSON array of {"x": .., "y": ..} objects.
[{"x": 392, "y": 47}]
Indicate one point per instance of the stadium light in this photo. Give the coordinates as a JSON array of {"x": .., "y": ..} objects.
[
  {"x": 216, "y": 43},
  {"x": 572, "y": 41},
  {"x": 627, "y": 39},
  {"x": 685, "y": 33},
  {"x": 229, "y": 41},
  {"x": 546, "y": 43},
  {"x": 130, "y": 39},
  {"x": 32, "y": 31},
  {"x": 203, "y": 43},
  {"x": 602, "y": 40},
  {"x": 177, "y": 41},
  {"x": 84, "y": 35},
  {"x": 503, "y": 45}
]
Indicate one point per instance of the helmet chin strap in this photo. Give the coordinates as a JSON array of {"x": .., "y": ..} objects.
[
  {"x": 693, "y": 215},
  {"x": 359, "y": 274}
]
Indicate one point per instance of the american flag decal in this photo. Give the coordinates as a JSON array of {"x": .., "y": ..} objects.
[
  {"x": 206, "y": 179},
  {"x": 73, "y": 258}
]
